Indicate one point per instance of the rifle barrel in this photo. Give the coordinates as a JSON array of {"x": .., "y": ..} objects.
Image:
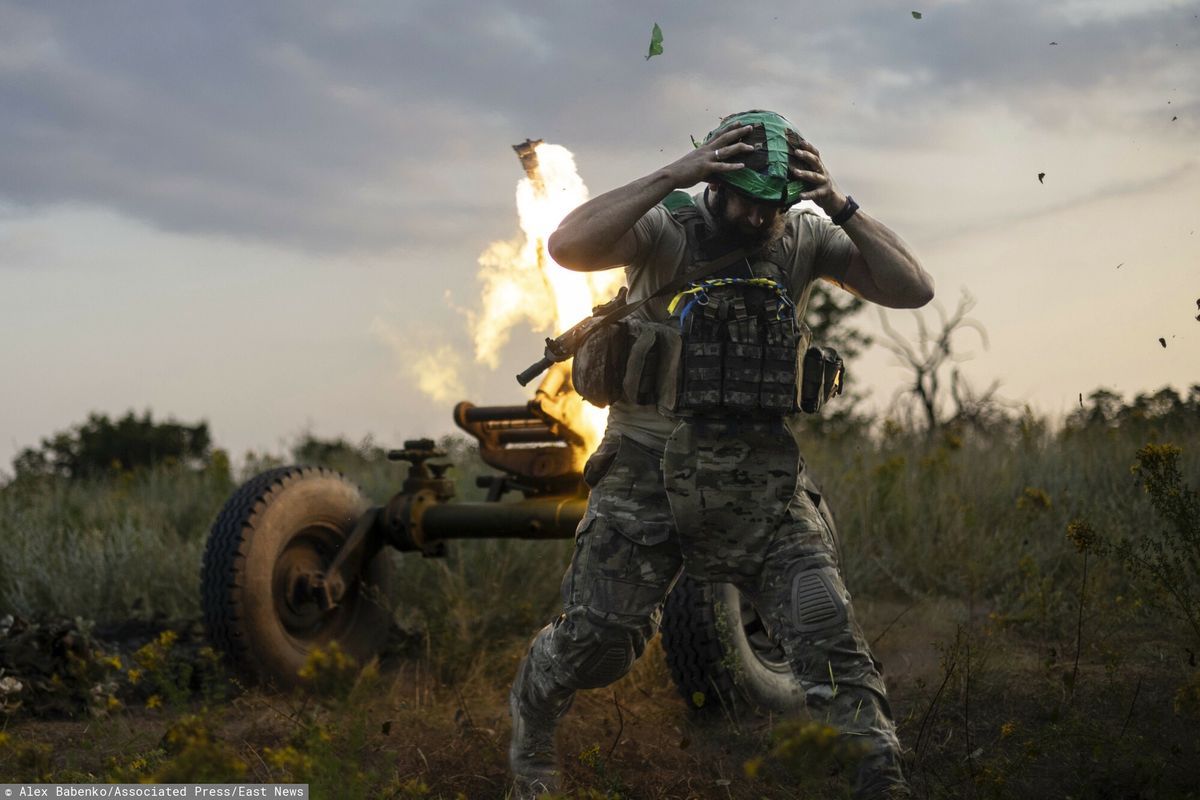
[{"x": 533, "y": 370}]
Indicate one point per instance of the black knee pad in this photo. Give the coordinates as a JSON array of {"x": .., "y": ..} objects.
[
  {"x": 599, "y": 651},
  {"x": 605, "y": 664},
  {"x": 815, "y": 604}
]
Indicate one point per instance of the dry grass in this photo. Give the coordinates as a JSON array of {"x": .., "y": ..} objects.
[{"x": 1010, "y": 675}]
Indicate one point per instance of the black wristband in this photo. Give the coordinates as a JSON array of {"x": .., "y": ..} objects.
[{"x": 846, "y": 213}]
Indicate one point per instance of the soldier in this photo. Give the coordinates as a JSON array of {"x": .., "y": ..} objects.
[{"x": 703, "y": 475}]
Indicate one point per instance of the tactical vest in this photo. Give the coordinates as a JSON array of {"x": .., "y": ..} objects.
[
  {"x": 740, "y": 339},
  {"x": 731, "y": 346}
]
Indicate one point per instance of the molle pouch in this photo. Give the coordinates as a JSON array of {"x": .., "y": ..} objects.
[
  {"x": 701, "y": 357},
  {"x": 823, "y": 375},
  {"x": 742, "y": 362},
  {"x": 645, "y": 369},
  {"x": 670, "y": 369},
  {"x": 598, "y": 372},
  {"x": 785, "y": 341}
]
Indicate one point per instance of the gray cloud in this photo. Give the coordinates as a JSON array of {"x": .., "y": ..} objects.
[{"x": 368, "y": 126}]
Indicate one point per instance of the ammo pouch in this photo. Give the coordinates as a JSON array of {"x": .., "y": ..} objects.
[
  {"x": 630, "y": 360},
  {"x": 823, "y": 373},
  {"x": 598, "y": 371},
  {"x": 738, "y": 358}
]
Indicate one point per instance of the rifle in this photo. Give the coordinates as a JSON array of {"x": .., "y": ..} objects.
[{"x": 567, "y": 344}]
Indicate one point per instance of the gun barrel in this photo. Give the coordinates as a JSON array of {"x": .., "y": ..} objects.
[
  {"x": 533, "y": 370},
  {"x": 531, "y": 434},
  {"x": 498, "y": 413},
  {"x": 536, "y": 518}
]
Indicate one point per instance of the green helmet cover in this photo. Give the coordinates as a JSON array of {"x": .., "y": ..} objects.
[{"x": 766, "y": 177}]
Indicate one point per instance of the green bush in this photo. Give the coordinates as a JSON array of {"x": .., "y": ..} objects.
[{"x": 101, "y": 445}]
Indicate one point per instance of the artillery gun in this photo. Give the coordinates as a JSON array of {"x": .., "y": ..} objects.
[{"x": 295, "y": 559}]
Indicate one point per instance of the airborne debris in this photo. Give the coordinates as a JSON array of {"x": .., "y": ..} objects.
[
  {"x": 1162, "y": 341},
  {"x": 916, "y": 14},
  {"x": 1040, "y": 176},
  {"x": 527, "y": 152},
  {"x": 656, "y": 42},
  {"x": 1054, "y": 43},
  {"x": 1081, "y": 399},
  {"x": 1120, "y": 265}
]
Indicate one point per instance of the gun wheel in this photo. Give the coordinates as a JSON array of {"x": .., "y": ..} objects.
[
  {"x": 720, "y": 654},
  {"x": 271, "y": 536}
]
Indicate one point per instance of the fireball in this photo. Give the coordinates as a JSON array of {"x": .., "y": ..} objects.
[{"x": 522, "y": 284}]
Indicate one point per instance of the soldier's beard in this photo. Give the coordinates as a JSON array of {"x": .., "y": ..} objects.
[
  {"x": 741, "y": 233},
  {"x": 749, "y": 236}
]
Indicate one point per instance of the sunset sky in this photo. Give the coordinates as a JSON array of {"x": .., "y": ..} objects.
[{"x": 262, "y": 214}]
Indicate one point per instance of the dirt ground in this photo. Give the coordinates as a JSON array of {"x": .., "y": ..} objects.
[{"x": 416, "y": 737}]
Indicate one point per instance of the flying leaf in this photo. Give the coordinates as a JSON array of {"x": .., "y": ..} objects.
[
  {"x": 656, "y": 48},
  {"x": 916, "y": 14},
  {"x": 1162, "y": 341},
  {"x": 1040, "y": 176}
]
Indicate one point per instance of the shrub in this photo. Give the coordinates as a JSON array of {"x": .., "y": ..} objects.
[{"x": 101, "y": 445}]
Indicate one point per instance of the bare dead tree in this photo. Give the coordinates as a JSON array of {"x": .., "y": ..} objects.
[{"x": 940, "y": 398}]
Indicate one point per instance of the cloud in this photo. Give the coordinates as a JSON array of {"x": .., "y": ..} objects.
[{"x": 333, "y": 127}]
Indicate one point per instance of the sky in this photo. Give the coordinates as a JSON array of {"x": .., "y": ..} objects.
[{"x": 262, "y": 215}]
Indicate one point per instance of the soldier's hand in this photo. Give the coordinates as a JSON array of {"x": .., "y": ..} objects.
[
  {"x": 821, "y": 189},
  {"x": 711, "y": 158}
]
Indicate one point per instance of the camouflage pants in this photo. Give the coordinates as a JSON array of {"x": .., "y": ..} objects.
[{"x": 730, "y": 502}]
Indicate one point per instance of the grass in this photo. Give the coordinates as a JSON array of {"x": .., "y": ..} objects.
[
  {"x": 107, "y": 549},
  {"x": 1020, "y": 662}
]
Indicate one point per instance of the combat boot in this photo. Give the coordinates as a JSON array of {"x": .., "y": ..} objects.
[
  {"x": 880, "y": 777},
  {"x": 532, "y": 755}
]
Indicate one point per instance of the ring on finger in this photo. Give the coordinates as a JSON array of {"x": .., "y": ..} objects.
[{"x": 718, "y": 154}]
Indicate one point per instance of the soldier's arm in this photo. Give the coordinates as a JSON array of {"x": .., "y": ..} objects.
[
  {"x": 599, "y": 234},
  {"x": 882, "y": 268}
]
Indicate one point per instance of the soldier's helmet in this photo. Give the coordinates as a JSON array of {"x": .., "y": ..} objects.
[{"x": 767, "y": 177}]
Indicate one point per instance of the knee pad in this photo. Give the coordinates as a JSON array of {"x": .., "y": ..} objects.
[
  {"x": 816, "y": 605},
  {"x": 596, "y": 652},
  {"x": 605, "y": 664}
]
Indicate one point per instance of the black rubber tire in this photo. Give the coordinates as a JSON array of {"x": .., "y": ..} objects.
[
  {"x": 284, "y": 519},
  {"x": 720, "y": 655}
]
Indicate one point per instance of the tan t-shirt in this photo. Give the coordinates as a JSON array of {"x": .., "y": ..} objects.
[{"x": 811, "y": 246}]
